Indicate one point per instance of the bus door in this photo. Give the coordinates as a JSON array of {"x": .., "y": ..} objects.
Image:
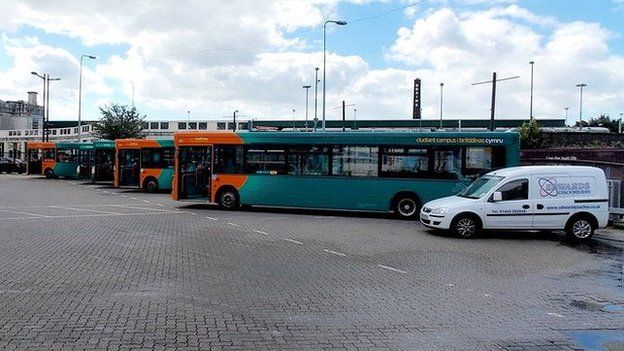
[
  {"x": 129, "y": 167},
  {"x": 104, "y": 161},
  {"x": 195, "y": 165},
  {"x": 34, "y": 161},
  {"x": 86, "y": 162}
]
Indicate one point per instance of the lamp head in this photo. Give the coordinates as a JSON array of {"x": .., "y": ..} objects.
[
  {"x": 92, "y": 57},
  {"x": 531, "y": 62},
  {"x": 341, "y": 23},
  {"x": 34, "y": 73}
]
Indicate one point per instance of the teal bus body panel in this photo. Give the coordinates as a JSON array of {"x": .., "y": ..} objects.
[
  {"x": 66, "y": 169},
  {"x": 165, "y": 142},
  {"x": 352, "y": 193},
  {"x": 165, "y": 179}
]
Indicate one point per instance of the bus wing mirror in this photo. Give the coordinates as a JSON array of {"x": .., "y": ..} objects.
[{"x": 497, "y": 196}]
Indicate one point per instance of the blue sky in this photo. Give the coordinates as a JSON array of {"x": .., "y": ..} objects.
[{"x": 217, "y": 57}]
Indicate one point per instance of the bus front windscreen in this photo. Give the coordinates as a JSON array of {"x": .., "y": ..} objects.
[{"x": 480, "y": 187}]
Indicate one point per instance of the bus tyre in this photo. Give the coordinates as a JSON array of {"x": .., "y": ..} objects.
[
  {"x": 151, "y": 185},
  {"x": 406, "y": 206},
  {"x": 580, "y": 228},
  {"x": 465, "y": 226},
  {"x": 228, "y": 199},
  {"x": 49, "y": 173}
]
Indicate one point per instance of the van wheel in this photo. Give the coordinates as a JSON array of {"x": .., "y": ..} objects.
[
  {"x": 406, "y": 206},
  {"x": 151, "y": 185},
  {"x": 228, "y": 199},
  {"x": 580, "y": 228},
  {"x": 49, "y": 173},
  {"x": 466, "y": 226}
]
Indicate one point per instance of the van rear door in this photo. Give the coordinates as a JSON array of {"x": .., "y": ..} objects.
[{"x": 553, "y": 198}]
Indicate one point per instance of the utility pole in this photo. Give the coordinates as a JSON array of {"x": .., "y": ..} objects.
[
  {"x": 343, "y": 115},
  {"x": 234, "y": 120},
  {"x": 441, "y": 101},
  {"x": 493, "y": 102},
  {"x": 581, "y": 86},
  {"x": 307, "y": 89},
  {"x": 316, "y": 81},
  {"x": 531, "y": 103},
  {"x": 566, "y": 114}
]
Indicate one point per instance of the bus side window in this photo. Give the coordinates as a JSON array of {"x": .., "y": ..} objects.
[
  {"x": 228, "y": 159},
  {"x": 447, "y": 163}
]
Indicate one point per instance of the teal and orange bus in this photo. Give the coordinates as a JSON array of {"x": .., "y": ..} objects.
[
  {"x": 36, "y": 152},
  {"x": 66, "y": 159},
  {"x": 363, "y": 171},
  {"x": 144, "y": 164}
]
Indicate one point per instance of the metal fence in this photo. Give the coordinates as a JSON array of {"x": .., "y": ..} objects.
[{"x": 616, "y": 197}]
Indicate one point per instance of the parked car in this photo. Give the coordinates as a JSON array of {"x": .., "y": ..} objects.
[
  {"x": 9, "y": 165},
  {"x": 572, "y": 198}
]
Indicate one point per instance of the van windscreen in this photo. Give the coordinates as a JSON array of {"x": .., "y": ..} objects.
[{"x": 480, "y": 187}]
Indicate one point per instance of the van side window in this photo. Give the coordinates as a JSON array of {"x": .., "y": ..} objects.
[{"x": 515, "y": 190}]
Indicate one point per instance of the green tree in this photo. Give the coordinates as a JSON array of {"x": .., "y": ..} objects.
[
  {"x": 531, "y": 136},
  {"x": 119, "y": 122},
  {"x": 602, "y": 121}
]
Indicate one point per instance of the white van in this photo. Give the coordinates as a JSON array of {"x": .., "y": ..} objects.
[{"x": 573, "y": 198}]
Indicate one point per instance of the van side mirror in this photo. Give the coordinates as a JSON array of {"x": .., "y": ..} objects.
[{"x": 497, "y": 196}]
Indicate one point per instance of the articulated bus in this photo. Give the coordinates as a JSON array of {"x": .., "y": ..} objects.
[
  {"x": 144, "y": 164},
  {"x": 364, "y": 171},
  {"x": 35, "y": 152},
  {"x": 104, "y": 161}
]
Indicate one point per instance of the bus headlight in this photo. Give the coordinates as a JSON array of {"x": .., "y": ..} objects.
[{"x": 439, "y": 211}]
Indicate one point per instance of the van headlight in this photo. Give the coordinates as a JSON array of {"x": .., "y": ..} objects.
[{"x": 439, "y": 211}]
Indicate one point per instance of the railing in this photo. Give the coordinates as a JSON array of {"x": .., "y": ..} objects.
[{"x": 616, "y": 197}]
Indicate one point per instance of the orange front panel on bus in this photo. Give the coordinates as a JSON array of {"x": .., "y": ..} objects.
[{"x": 206, "y": 138}]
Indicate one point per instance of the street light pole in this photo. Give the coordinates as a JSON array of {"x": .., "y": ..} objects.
[
  {"x": 566, "y": 114},
  {"x": 316, "y": 81},
  {"x": 234, "y": 120},
  {"x": 80, "y": 96},
  {"x": 307, "y": 88},
  {"x": 43, "y": 106},
  {"x": 131, "y": 82},
  {"x": 441, "y": 101},
  {"x": 531, "y": 104},
  {"x": 340, "y": 23},
  {"x": 581, "y": 86}
]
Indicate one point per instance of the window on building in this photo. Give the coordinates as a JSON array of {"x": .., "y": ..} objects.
[
  {"x": 220, "y": 125},
  {"x": 231, "y": 126},
  {"x": 404, "y": 163},
  {"x": 310, "y": 160},
  {"x": 265, "y": 161},
  {"x": 164, "y": 125},
  {"x": 203, "y": 125},
  {"x": 192, "y": 125},
  {"x": 153, "y": 125},
  {"x": 228, "y": 159},
  {"x": 181, "y": 125},
  {"x": 355, "y": 161},
  {"x": 144, "y": 125},
  {"x": 76, "y": 130}
]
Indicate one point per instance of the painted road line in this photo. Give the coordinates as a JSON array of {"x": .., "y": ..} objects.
[
  {"x": 233, "y": 224},
  {"x": 334, "y": 252},
  {"x": 193, "y": 213},
  {"x": 293, "y": 241},
  {"x": 83, "y": 209},
  {"x": 261, "y": 232},
  {"x": 147, "y": 202},
  {"x": 391, "y": 269},
  {"x": 212, "y": 218},
  {"x": 133, "y": 198},
  {"x": 161, "y": 205},
  {"x": 97, "y": 215},
  {"x": 156, "y": 210},
  {"x": 24, "y": 213}
]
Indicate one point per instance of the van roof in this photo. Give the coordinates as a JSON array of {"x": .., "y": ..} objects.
[{"x": 528, "y": 170}]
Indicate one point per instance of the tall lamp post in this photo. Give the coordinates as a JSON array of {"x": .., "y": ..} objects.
[
  {"x": 581, "y": 86},
  {"x": 45, "y": 102},
  {"x": 307, "y": 89},
  {"x": 80, "y": 96},
  {"x": 340, "y": 23},
  {"x": 131, "y": 82},
  {"x": 532, "y": 63},
  {"x": 566, "y": 114},
  {"x": 234, "y": 120},
  {"x": 441, "y": 101},
  {"x": 316, "y": 81}
]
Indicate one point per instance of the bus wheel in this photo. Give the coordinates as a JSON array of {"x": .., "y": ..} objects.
[
  {"x": 465, "y": 226},
  {"x": 49, "y": 173},
  {"x": 580, "y": 228},
  {"x": 151, "y": 185},
  {"x": 406, "y": 206},
  {"x": 228, "y": 199}
]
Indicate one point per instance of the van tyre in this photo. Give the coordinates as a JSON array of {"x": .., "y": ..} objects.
[
  {"x": 580, "y": 228},
  {"x": 49, "y": 173},
  {"x": 466, "y": 226},
  {"x": 228, "y": 199},
  {"x": 151, "y": 185},
  {"x": 406, "y": 206}
]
